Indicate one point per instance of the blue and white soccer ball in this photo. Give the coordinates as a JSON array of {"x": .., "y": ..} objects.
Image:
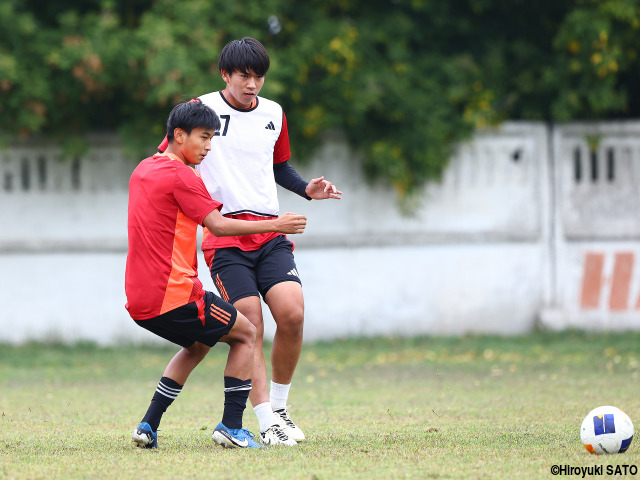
[{"x": 606, "y": 430}]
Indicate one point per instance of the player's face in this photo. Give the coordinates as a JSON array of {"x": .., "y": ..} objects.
[
  {"x": 197, "y": 145},
  {"x": 242, "y": 88}
]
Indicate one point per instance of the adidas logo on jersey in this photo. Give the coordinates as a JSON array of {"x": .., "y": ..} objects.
[
  {"x": 270, "y": 126},
  {"x": 293, "y": 272}
]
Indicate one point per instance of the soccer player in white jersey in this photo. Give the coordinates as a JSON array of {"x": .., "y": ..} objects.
[{"x": 249, "y": 157}]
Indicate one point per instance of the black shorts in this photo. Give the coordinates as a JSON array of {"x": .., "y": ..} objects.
[
  {"x": 204, "y": 321},
  {"x": 238, "y": 274}
]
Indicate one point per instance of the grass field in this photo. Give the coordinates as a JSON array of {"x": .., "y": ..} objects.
[{"x": 462, "y": 408}]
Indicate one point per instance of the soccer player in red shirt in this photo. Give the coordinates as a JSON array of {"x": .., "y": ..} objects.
[
  {"x": 167, "y": 201},
  {"x": 249, "y": 156}
]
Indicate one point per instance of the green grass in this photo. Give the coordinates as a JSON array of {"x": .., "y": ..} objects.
[{"x": 460, "y": 408}]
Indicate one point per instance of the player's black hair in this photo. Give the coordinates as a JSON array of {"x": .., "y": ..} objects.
[
  {"x": 190, "y": 115},
  {"x": 244, "y": 55}
]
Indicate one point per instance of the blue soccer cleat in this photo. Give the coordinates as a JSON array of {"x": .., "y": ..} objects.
[
  {"x": 144, "y": 437},
  {"x": 234, "y": 438}
]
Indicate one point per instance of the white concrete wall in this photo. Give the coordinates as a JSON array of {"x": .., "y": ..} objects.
[
  {"x": 400, "y": 290},
  {"x": 596, "y": 238},
  {"x": 502, "y": 242}
]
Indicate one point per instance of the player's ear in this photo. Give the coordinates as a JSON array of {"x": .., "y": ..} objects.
[
  {"x": 179, "y": 135},
  {"x": 225, "y": 76}
]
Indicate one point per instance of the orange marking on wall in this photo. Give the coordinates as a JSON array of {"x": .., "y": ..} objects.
[
  {"x": 621, "y": 283},
  {"x": 592, "y": 280}
]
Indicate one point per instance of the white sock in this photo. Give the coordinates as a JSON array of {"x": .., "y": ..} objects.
[
  {"x": 266, "y": 417},
  {"x": 279, "y": 395}
]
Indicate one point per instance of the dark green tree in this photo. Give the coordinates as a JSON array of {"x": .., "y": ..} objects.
[{"x": 403, "y": 80}]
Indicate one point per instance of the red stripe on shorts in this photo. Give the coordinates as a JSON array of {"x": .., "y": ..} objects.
[{"x": 200, "y": 305}]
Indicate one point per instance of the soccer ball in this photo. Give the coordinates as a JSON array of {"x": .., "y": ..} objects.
[{"x": 606, "y": 430}]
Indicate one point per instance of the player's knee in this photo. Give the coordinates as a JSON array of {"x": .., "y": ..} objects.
[
  {"x": 292, "y": 322},
  {"x": 256, "y": 320},
  {"x": 246, "y": 330},
  {"x": 197, "y": 351}
]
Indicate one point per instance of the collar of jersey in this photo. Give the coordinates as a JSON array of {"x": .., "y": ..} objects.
[
  {"x": 172, "y": 156},
  {"x": 253, "y": 106}
]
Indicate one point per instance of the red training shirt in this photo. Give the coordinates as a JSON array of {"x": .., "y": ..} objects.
[{"x": 167, "y": 201}]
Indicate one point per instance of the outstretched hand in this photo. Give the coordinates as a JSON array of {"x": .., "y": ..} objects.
[
  {"x": 291, "y": 223},
  {"x": 320, "y": 189}
]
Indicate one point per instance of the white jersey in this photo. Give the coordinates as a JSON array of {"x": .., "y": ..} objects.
[{"x": 238, "y": 171}]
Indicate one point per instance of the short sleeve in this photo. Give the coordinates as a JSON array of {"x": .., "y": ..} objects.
[
  {"x": 282, "y": 150},
  {"x": 192, "y": 195}
]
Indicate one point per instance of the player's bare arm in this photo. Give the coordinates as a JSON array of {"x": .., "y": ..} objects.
[
  {"x": 320, "y": 189},
  {"x": 220, "y": 226}
]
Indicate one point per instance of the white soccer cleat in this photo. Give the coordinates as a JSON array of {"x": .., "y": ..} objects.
[
  {"x": 290, "y": 428},
  {"x": 274, "y": 435}
]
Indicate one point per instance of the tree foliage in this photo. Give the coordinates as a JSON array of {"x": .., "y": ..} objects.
[{"x": 404, "y": 80}]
